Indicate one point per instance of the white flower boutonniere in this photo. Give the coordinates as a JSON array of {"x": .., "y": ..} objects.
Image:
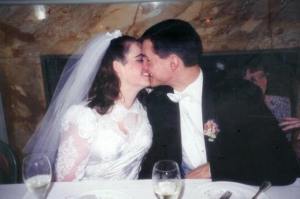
[{"x": 211, "y": 130}]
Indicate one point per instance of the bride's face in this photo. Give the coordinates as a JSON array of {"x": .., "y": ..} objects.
[{"x": 132, "y": 72}]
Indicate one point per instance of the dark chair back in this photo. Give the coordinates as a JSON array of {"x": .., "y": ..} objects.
[{"x": 8, "y": 165}]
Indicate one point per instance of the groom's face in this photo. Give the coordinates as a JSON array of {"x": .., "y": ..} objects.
[{"x": 159, "y": 68}]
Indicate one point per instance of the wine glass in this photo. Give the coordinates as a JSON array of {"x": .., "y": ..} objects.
[
  {"x": 37, "y": 173},
  {"x": 167, "y": 183}
]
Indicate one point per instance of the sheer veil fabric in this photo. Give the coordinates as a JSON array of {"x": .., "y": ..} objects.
[{"x": 72, "y": 88}]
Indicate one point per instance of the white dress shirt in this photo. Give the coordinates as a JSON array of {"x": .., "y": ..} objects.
[{"x": 191, "y": 123}]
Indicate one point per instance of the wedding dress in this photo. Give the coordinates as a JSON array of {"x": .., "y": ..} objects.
[{"x": 109, "y": 146}]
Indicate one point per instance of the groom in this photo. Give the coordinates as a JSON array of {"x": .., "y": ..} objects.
[{"x": 223, "y": 132}]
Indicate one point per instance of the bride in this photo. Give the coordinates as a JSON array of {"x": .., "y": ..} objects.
[{"x": 103, "y": 132}]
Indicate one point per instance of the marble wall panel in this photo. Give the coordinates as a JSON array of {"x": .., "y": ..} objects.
[{"x": 23, "y": 98}]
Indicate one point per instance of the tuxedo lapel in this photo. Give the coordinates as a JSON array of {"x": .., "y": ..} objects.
[
  {"x": 205, "y": 100},
  {"x": 208, "y": 112}
]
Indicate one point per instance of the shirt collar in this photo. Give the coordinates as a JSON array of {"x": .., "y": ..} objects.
[{"x": 194, "y": 89}]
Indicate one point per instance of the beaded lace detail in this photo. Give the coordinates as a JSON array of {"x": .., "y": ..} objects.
[{"x": 109, "y": 146}]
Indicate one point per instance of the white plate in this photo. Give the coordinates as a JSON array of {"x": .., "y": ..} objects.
[
  {"x": 212, "y": 190},
  {"x": 105, "y": 194}
]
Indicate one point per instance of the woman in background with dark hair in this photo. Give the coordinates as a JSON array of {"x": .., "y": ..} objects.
[{"x": 280, "y": 106}]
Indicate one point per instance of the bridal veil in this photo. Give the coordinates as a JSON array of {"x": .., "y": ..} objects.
[{"x": 72, "y": 88}]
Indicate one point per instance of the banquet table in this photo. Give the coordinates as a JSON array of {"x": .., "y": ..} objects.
[{"x": 133, "y": 189}]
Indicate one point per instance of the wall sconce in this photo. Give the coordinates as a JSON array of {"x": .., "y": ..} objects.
[{"x": 40, "y": 12}]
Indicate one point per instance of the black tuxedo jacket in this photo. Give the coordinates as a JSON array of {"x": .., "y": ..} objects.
[{"x": 249, "y": 148}]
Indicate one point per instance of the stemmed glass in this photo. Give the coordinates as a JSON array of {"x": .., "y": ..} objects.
[
  {"x": 37, "y": 173},
  {"x": 166, "y": 179}
]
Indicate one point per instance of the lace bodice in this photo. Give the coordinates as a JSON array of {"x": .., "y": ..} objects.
[{"x": 109, "y": 146}]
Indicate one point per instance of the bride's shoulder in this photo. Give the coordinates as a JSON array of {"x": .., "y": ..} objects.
[
  {"x": 80, "y": 112},
  {"x": 79, "y": 108},
  {"x": 81, "y": 116}
]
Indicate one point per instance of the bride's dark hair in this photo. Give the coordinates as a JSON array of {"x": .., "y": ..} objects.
[{"x": 106, "y": 86}]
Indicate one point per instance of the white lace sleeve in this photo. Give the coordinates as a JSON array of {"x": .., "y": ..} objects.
[{"x": 78, "y": 128}]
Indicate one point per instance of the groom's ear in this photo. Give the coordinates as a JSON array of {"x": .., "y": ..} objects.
[{"x": 174, "y": 62}]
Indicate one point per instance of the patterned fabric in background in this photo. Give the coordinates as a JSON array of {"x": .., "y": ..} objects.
[{"x": 280, "y": 106}]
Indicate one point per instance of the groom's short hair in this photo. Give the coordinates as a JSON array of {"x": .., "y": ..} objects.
[{"x": 175, "y": 36}]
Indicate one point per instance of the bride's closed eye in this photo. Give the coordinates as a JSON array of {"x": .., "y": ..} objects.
[{"x": 140, "y": 60}]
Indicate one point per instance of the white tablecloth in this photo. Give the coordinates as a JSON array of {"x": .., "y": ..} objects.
[{"x": 136, "y": 189}]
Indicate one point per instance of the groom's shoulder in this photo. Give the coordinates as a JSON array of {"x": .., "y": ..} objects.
[
  {"x": 161, "y": 90},
  {"x": 158, "y": 95},
  {"x": 238, "y": 88},
  {"x": 151, "y": 95}
]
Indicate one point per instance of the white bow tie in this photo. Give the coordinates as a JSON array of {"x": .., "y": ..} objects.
[{"x": 176, "y": 97}]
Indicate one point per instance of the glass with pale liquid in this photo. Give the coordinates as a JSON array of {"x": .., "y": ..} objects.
[
  {"x": 166, "y": 179},
  {"x": 37, "y": 174}
]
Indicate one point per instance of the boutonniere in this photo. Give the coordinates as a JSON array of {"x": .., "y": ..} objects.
[{"x": 211, "y": 130}]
